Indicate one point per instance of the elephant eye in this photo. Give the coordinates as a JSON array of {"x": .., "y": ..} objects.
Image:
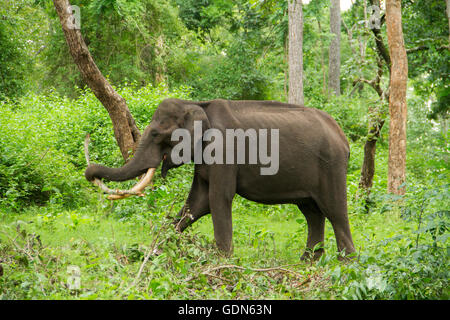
[{"x": 154, "y": 133}]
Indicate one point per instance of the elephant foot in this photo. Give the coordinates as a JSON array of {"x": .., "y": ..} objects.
[
  {"x": 224, "y": 253},
  {"x": 308, "y": 255}
]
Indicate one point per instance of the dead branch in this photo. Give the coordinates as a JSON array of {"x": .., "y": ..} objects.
[{"x": 232, "y": 266}]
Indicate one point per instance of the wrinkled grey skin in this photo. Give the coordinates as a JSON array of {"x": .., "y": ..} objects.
[{"x": 313, "y": 157}]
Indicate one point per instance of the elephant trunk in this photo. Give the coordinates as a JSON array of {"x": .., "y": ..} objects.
[
  {"x": 135, "y": 167},
  {"x": 129, "y": 171}
]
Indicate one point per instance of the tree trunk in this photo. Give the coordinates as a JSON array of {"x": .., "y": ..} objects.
[
  {"x": 397, "y": 98},
  {"x": 322, "y": 60},
  {"x": 295, "y": 52},
  {"x": 125, "y": 130},
  {"x": 334, "y": 73},
  {"x": 376, "y": 122},
  {"x": 368, "y": 167},
  {"x": 159, "y": 75},
  {"x": 448, "y": 18}
]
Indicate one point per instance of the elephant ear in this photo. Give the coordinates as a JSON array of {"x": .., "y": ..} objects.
[{"x": 195, "y": 113}]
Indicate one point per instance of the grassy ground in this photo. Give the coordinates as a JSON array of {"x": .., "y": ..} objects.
[{"x": 38, "y": 245}]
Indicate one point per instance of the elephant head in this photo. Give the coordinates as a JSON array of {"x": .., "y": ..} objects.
[{"x": 154, "y": 146}]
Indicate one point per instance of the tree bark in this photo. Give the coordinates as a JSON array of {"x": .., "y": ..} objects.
[
  {"x": 295, "y": 52},
  {"x": 397, "y": 98},
  {"x": 368, "y": 167},
  {"x": 448, "y": 18},
  {"x": 322, "y": 60},
  {"x": 125, "y": 130},
  {"x": 334, "y": 85}
]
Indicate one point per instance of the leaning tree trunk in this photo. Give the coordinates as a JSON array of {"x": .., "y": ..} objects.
[
  {"x": 125, "y": 130},
  {"x": 397, "y": 98},
  {"x": 295, "y": 52},
  {"x": 334, "y": 73},
  {"x": 376, "y": 122}
]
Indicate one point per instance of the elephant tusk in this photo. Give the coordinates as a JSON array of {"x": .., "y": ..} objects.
[
  {"x": 116, "y": 194},
  {"x": 137, "y": 190}
]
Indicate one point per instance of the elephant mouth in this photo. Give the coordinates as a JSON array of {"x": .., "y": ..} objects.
[{"x": 116, "y": 194}]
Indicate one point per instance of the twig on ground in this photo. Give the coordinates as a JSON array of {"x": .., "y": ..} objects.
[
  {"x": 301, "y": 284},
  {"x": 217, "y": 277},
  {"x": 232, "y": 266}
]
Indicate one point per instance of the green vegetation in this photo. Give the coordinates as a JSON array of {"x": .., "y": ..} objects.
[{"x": 52, "y": 218}]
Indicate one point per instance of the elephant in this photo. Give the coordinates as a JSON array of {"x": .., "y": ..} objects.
[{"x": 312, "y": 166}]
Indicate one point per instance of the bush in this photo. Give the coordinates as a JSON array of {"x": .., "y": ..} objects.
[
  {"x": 14, "y": 62},
  {"x": 412, "y": 264}
]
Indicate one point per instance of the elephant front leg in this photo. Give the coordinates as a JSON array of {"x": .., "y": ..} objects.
[
  {"x": 196, "y": 206},
  {"x": 222, "y": 189},
  {"x": 316, "y": 230}
]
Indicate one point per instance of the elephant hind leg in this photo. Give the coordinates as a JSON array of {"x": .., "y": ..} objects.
[
  {"x": 316, "y": 229},
  {"x": 334, "y": 208}
]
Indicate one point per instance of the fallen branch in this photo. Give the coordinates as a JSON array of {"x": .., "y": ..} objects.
[{"x": 232, "y": 266}]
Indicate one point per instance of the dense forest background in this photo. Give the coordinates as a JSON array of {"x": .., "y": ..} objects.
[{"x": 51, "y": 218}]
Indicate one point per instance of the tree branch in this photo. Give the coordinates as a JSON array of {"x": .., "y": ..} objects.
[{"x": 426, "y": 47}]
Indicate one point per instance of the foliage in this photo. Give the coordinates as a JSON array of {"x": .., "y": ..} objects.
[
  {"x": 15, "y": 57},
  {"x": 204, "y": 15},
  {"x": 129, "y": 40},
  {"x": 419, "y": 267},
  {"x": 230, "y": 76},
  {"x": 429, "y": 62},
  {"x": 37, "y": 247},
  {"x": 52, "y": 218}
]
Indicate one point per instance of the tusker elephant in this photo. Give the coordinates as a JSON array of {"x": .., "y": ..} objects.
[{"x": 309, "y": 154}]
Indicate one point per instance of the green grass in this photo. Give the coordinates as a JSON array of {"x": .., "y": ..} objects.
[{"x": 110, "y": 248}]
